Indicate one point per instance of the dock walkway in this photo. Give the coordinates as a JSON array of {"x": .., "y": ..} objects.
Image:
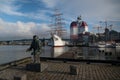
[{"x": 61, "y": 71}]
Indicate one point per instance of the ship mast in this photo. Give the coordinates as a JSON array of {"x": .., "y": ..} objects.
[{"x": 57, "y": 24}]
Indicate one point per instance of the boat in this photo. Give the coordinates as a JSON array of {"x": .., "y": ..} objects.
[
  {"x": 102, "y": 45},
  {"x": 57, "y": 30},
  {"x": 117, "y": 45},
  {"x": 107, "y": 45},
  {"x": 98, "y": 45},
  {"x": 56, "y": 41}
]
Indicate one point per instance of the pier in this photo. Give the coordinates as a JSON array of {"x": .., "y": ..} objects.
[{"x": 59, "y": 70}]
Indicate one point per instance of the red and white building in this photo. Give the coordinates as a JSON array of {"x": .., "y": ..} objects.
[
  {"x": 79, "y": 30},
  {"x": 73, "y": 30}
]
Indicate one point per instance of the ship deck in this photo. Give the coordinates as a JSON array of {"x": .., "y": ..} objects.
[{"x": 58, "y": 70}]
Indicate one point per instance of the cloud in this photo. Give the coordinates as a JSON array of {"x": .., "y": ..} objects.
[
  {"x": 9, "y": 8},
  {"x": 89, "y": 9},
  {"x": 40, "y": 15},
  {"x": 92, "y": 12},
  {"x": 92, "y": 8},
  {"x": 21, "y": 30},
  {"x": 50, "y": 3}
]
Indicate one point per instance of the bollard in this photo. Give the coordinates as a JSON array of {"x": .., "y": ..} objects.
[
  {"x": 36, "y": 67},
  {"x": 73, "y": 70},
  {"x": 20, "y": 77}
]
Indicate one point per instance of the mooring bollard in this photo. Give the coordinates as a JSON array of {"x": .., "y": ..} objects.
[
  {"x": 37, "y": 67},
  {"x": 20, "y": 77},
  {"x": 73, "y": 70}
]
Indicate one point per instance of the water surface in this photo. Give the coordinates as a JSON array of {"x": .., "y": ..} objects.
[{"x": 10, "y": 53}]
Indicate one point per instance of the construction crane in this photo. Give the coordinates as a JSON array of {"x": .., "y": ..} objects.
[
  {"x": 111, "y": 25},
  {"x": 98, "y": 28}
]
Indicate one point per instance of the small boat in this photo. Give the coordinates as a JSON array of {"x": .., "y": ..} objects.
[
  {"x": 106, "y": 45},
  {"x": 98, "y": 45},
  {"x": 117, "y": 45},
  {"x": 102, "y": 45},
  {"x": 109, "y": 45}
]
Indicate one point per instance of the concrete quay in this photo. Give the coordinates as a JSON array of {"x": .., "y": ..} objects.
[{"x": 58, "y": 70}]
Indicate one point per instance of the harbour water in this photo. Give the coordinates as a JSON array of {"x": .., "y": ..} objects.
[
  {"x": 10, "y": 53},
  {"x": 99, "y": 53}
]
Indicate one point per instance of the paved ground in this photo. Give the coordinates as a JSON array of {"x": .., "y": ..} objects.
[{"x": 61, "y": 71}]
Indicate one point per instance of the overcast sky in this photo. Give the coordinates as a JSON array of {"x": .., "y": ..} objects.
[{"x": 20, "y": 19}]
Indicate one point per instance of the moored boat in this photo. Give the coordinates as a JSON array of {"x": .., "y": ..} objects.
[
  {"x": 117, "y": 45},
  {"x": 102, "y": 45},
  {"x": 56, "y": 41}
]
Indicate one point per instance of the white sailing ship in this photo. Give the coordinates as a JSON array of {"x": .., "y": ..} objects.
[
  {"x": 57, "y": 30},
  {"x": 57, "y": 41}
]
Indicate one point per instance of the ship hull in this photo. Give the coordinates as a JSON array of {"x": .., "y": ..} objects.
[{"x": 57, "y": 41}]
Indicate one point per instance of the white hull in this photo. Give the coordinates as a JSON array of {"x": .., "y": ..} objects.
[
  {"x": 102, "y": 45},
  {"x": 117, "y": 45},
  {"x": 105, "y": 46},
  {"x": 57, "y": 41}
]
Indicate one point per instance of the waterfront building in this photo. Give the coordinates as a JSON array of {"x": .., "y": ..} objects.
[
  {"x": 79, "y": 31},
  {"x": 74, "y": 31},
  {"x": 108, "y": 36},
  {"x": 111, "y": 35}
]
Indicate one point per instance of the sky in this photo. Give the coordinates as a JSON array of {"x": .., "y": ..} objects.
[{"x": 21, "y": 19}]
